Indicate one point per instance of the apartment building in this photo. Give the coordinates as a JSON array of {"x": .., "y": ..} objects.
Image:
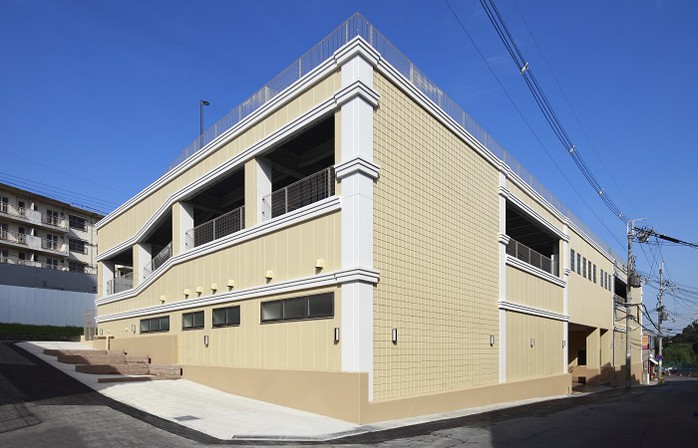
[
  {"x": 349, "y": 241},
  {"x": 45, "y": 245}
]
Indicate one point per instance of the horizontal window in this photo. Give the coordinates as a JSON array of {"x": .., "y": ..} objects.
[
  {"x": 155, "y": 324},
  {"x": 193, "y": 320},
  {"x": 298, "y": 308},
  {"x": 223, "y": 317},
  {"x": 75, "y": 222}
]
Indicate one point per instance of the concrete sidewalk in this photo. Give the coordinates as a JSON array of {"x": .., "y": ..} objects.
[{"x": 226, "y": 416}]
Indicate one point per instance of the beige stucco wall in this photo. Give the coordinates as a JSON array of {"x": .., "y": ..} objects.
[
  {"x": 546, "y": 355},
  {"x": 526, "y": 289},
  {"x": 589, "y": 303},
  {"x": 127, "y": 224},
  {"x": 289, "y": 253},
  {"x": 305, "y": 345},
  {"x": 435, "y": 237}
]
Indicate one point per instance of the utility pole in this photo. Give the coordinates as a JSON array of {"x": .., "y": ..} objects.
[
  {"x": 628, "y": 299},
  {"x": 660, "y": 312}
]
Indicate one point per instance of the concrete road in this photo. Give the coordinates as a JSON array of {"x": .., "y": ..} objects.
[{"x": 40, "y": 406}]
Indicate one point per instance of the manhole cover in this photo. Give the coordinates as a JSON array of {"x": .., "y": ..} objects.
[{"x": 184, "y": 418}]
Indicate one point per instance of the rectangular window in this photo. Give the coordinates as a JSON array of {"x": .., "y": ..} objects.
[
  {"x": 155, "y": 324},
  {"x": 4, "y": 254},
  {"x": 77, "y": 223},
  {"x": 76, "y": 266},
  {"x": 77, "y": 246},
  {"x": 3, "y": 204},
  {"x": 584, "y": 267},
  {"x": 51, "y": 242},
  {"x": 52, "y": 263},
  {"x": 298, "y": 308},
  {"x": 51, "y": 218},
  {"x": 579, "y": 264},
  {"x": 594, "y": 274},
  {"x": 572, "y": 259},
  {"x": 224, "y": 317},
  {"x": 601, "y": 276},
  {"x": 193, "y": 320}
]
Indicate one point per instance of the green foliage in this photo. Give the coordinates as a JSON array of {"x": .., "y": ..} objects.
[
  {"x": 682, "y": 350},
  {"x": 23, "y": 332}
]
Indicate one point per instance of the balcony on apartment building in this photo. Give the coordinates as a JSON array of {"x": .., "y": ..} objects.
[
  {"x": 34, "y": 217},
  {"x": 26, "y": 241},
  {"x": 120, "y": 283},
  {"x": 531, "y": 243},
  {"x": 31, "y": 263}
]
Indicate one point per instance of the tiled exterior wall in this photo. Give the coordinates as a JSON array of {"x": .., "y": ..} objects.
[
  {"x": 307, "y": 345},
  {"x": 290, "y": 253},
  {"x": 435, "y": 234},
  {"x": 542, "y": 359},
  {"x": 127, "y": 224}
]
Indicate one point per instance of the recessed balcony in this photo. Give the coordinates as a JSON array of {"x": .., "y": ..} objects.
[{"x": 304, "y": 192}]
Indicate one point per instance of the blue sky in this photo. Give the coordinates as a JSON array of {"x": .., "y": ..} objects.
[{"x": 104, "y": 95}]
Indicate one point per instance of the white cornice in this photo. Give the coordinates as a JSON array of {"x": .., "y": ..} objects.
[
  {"x": 312, "y": 211},
  {"x": 522, "y": 265},
  {"x": 357, "y": 165},
  {"x": 511, "y": 306},
  {"x": 357, "y": 46},
  {"x": 357, "y": 89},
  {"x": 336, "y": 278},
  {"x": 504, "y": 239}
]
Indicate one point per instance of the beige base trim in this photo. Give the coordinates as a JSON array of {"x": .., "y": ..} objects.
[
  {"x": 162, "y": 349},
  {"x": 343, "y": 395},
  {"x": 607, "y": 374}
]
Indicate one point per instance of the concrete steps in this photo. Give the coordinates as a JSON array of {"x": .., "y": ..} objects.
[{"x": 129, "y": 367}]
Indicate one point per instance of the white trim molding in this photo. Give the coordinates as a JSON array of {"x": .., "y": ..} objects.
[
  {"x": 525, "y": 309},
  {"x": 522, "y": 265},
  {"x": 313, "y": 282}
]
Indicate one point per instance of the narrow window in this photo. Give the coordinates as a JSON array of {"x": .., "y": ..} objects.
[
  {"x": 584, "y": 268},
  {"x": 579, "y": 264},
  {"x": 572, "y": 259},
  {"x": 594, "y": 273},
  {"x": 155, "y": 324},
  {"x": 193, "y": 320}
]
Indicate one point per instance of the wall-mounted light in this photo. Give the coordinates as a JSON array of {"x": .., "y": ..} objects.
[
  {"x": 199, "y": 290},
  {"x": 162, "y": 299},
  {"x": 186, "y": 292},
  {"x": 533, "y": 342},
  {"x": 214, "y": 287},
  {"x": 269, "y": 275},
  {"x": 336, "y": 335},
  {"x": 393, "y": 336},
  {"x": 133, "y": 328},
  {"x": 205, "y": 340},
  {"x": 491, "y": 340},
  {"x": 231, "y": 284},
  {"x": 320, "y": 263},
  {"x": 564, "y": 343}
]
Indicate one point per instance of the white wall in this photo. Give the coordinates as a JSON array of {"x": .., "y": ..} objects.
[{"x": 38, "y": 306}]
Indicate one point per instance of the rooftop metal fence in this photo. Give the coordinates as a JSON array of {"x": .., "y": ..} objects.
[{"x": 357, "y": 25}]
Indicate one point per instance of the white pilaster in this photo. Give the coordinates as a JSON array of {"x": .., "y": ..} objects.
[
  {"x": 107, "y": 274},
  {"x": 357, "y": 173},
  {"x": 143, "y": 253},
  {"x": 503, "y": 242},
  {"x": 262, "y": 185},
  {"x": 565, "y": 266},
  {"x": 182, "y": 222}
]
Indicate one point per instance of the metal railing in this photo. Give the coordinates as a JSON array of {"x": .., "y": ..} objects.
[
  {"x": 121, "y": 283},
  {"x": 357, "y": 25},
  {"x": 304, "y": 192},
  {"x": 530, "y": 256},
  {"x": 54, "y": 221},
  {"x": 53, "y": 245},
  {"x": 224, "y": 225},
  {"x": 30, "y": 263},
  {"x": 161, "y": 257},
  {"x": 13, "y": 237}
]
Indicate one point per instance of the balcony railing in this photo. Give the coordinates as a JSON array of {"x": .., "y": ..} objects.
[
  {"x": 224, "y": 225},
  {"x": 158, "y": 260},
  {"x": 13, "y": 237},
  {"x": 54, "y": 221},
  {"x": 304, "y": 192},
  {"x": 530, "y": 256},
  {"x": 53, "y": 245},
  {"x": 30, "y": 263},
  {"x": 121, "y": 283}
]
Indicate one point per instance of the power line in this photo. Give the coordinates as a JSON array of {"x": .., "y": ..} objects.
[
  {"x": 53, "y": 188},
  {"x": 544, "y": 105}
]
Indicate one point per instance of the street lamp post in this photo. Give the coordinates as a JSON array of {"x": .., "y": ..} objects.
[{"x": 202, "y": 103}]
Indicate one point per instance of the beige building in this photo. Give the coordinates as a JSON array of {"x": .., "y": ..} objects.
[{"x": 348, "y": 241}]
